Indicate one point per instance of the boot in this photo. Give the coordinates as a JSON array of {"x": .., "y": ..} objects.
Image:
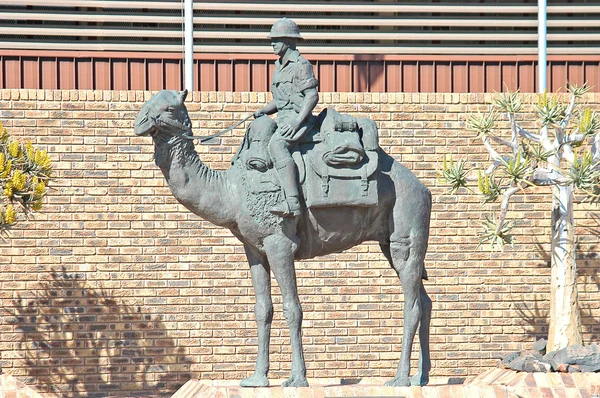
[
  {"x": 288, "y": 179},
  {"x": 288, "y": 208}
]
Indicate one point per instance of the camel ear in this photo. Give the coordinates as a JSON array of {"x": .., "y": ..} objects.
[{"x": 183, "y": 95}]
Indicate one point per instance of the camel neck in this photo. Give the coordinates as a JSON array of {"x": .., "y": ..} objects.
[{"x": 202, "y": 190}]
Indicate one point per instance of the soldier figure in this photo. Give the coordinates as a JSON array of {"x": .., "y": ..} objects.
[{"x": 294, "y": 89}]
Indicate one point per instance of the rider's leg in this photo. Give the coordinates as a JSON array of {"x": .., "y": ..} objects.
[{"x": 280, "y": 150}]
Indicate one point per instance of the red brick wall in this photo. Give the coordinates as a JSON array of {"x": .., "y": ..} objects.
[{"x": 116, "y": 288}]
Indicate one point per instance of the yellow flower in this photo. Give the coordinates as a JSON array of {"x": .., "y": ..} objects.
[
  {"x": 40, "y": 188},
  {"x": 14, "y": 149},
  {"x": 37, "y": 205},
  {"x": 3, "y": 133},
  {"x": 6, "y": 169},
  {"x": 42, "y": 158},
  {"x": 8, "y": 190},
  {"x": 9, "y": 215},
  {"x": 19, "y": 180}
]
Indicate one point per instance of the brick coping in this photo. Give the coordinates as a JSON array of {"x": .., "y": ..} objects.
[
  {"x": 490, "y": 384},
  {"x": 11, "y": 387}
]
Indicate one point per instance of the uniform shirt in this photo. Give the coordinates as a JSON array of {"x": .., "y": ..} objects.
[{"x": 293, "y": 74}]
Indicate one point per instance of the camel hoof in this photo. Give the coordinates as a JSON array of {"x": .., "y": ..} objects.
[
  {"x": 419, "y": 380},
  {"x": 295, "y": 381},
  {"x": 398, "y": 382},
  {"x": 255, "y": 381}
]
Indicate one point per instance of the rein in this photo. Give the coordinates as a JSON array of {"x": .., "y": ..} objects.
[{"x": 205, "y": 138}]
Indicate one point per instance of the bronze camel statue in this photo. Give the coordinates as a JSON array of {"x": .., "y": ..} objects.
[{"x": 400, "y": 223}]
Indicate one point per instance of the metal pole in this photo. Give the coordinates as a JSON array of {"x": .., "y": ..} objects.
[
  {"x": 542, "y": 46},
  {"x": 188, "y": 63}
]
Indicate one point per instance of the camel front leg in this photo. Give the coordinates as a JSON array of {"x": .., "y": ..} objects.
[
  {"x": 263, "y": 311},
  {"x": 280, "y": 251},
  {"x": 407, "y": 261}
]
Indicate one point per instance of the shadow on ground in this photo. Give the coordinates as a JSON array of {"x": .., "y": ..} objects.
[{"x": 78, "y": 341}]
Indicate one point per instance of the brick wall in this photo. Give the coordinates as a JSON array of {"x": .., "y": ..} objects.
[{"x": 116, "y": 288}]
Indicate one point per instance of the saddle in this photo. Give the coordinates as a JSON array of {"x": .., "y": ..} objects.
[{"x": 337, "y": 161}]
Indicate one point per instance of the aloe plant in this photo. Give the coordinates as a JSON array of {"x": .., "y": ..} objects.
[
  {"x": 25, "y": 172},
  {"x": 563, "y": 154}
]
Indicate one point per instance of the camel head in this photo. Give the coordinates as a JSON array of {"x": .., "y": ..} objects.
[{"x": 164, "y": 114}]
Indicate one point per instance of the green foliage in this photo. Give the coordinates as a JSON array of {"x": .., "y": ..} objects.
[
  {"x": 553, "y": 160},
  {"x": 496, "y": 237},
  {"x": 585, "y": 175},
  {"x": 454, "y": 174},
  {"x": 535, "y": 152},
  {"x": 550, "y": 110},
  {"x": 589, "y": 124},
  {"x": 518, "y": 170},
  {"x": 489, "y": 188},
  {"x": 578, "y": 90},
  {"x": 508, "y": 102},
  {"x": 482, "y": 124},
  {"x": 25, "y": 172}
]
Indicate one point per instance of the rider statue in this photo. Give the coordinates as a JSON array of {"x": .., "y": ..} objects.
[{"x": 294, "y": 90}]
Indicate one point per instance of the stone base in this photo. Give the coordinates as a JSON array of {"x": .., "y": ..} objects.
[
  {"x": 321, "y": 389},
  {"x": 499, "y": 383},
  {"x": 13, "y": 388},
  {"x": 550, "y": 384}
]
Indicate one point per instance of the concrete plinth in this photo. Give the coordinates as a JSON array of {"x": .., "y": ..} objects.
[
  {"x": 494, "y": 383},
  {"x": 366, "y": 388}
]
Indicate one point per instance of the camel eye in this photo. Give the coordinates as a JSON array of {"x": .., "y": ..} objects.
[{"x": 170, "y": 108}]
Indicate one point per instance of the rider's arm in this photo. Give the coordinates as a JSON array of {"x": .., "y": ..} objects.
[
  {"x": 268, "y": 109},
  {"x": 311, "y": 98}
]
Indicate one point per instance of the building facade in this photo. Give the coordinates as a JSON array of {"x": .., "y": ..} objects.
[{"x": 367, "y": 46}]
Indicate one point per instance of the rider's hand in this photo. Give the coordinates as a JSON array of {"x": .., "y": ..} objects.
[
  {"x": 258, "y": 113},
  {"x": 285, "y": 130},
  {"x": 290, "y": 131}
]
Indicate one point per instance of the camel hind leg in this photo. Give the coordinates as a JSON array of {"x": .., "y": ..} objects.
[
  {"x": 422, "y": 376},
  {"x": 406, "y": 256}
]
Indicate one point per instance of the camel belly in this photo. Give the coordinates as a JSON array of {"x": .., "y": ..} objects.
[{"x": 331, "y": 230}]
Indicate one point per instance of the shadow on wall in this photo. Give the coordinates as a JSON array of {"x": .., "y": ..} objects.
[
  {"x": 80, "y": 341},
  {"x": 535, "y": 316}
]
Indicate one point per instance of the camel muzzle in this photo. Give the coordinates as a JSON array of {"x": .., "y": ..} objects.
[{"x": 144, "y": 125}]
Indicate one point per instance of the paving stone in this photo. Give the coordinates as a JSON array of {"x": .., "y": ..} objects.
[
  {"x": 555, "y": 380},
  {"x": 458, "y": 391},
  {"x": 430, "y": 392},
  {"x": 444, "y": 392},
  {"x": 10, "y": 387},
  {"x": 567, "y": 380}
]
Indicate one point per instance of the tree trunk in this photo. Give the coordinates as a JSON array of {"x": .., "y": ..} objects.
[{"x": 565, "y": 324}]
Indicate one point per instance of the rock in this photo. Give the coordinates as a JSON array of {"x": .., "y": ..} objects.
[
  {"x": 563, "y": 368},
  {"x": 532, "y": 354},
  {"x": 540, "y": 346},
  {"x": 534, "y": 365},
  {"x": 584, "y": 358},
  {"x": 529, "y": 364},
  {"x": 574, "y": 368},
  {"x": 505, "y": 364},
  {"x": 575, "y": 358}
]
